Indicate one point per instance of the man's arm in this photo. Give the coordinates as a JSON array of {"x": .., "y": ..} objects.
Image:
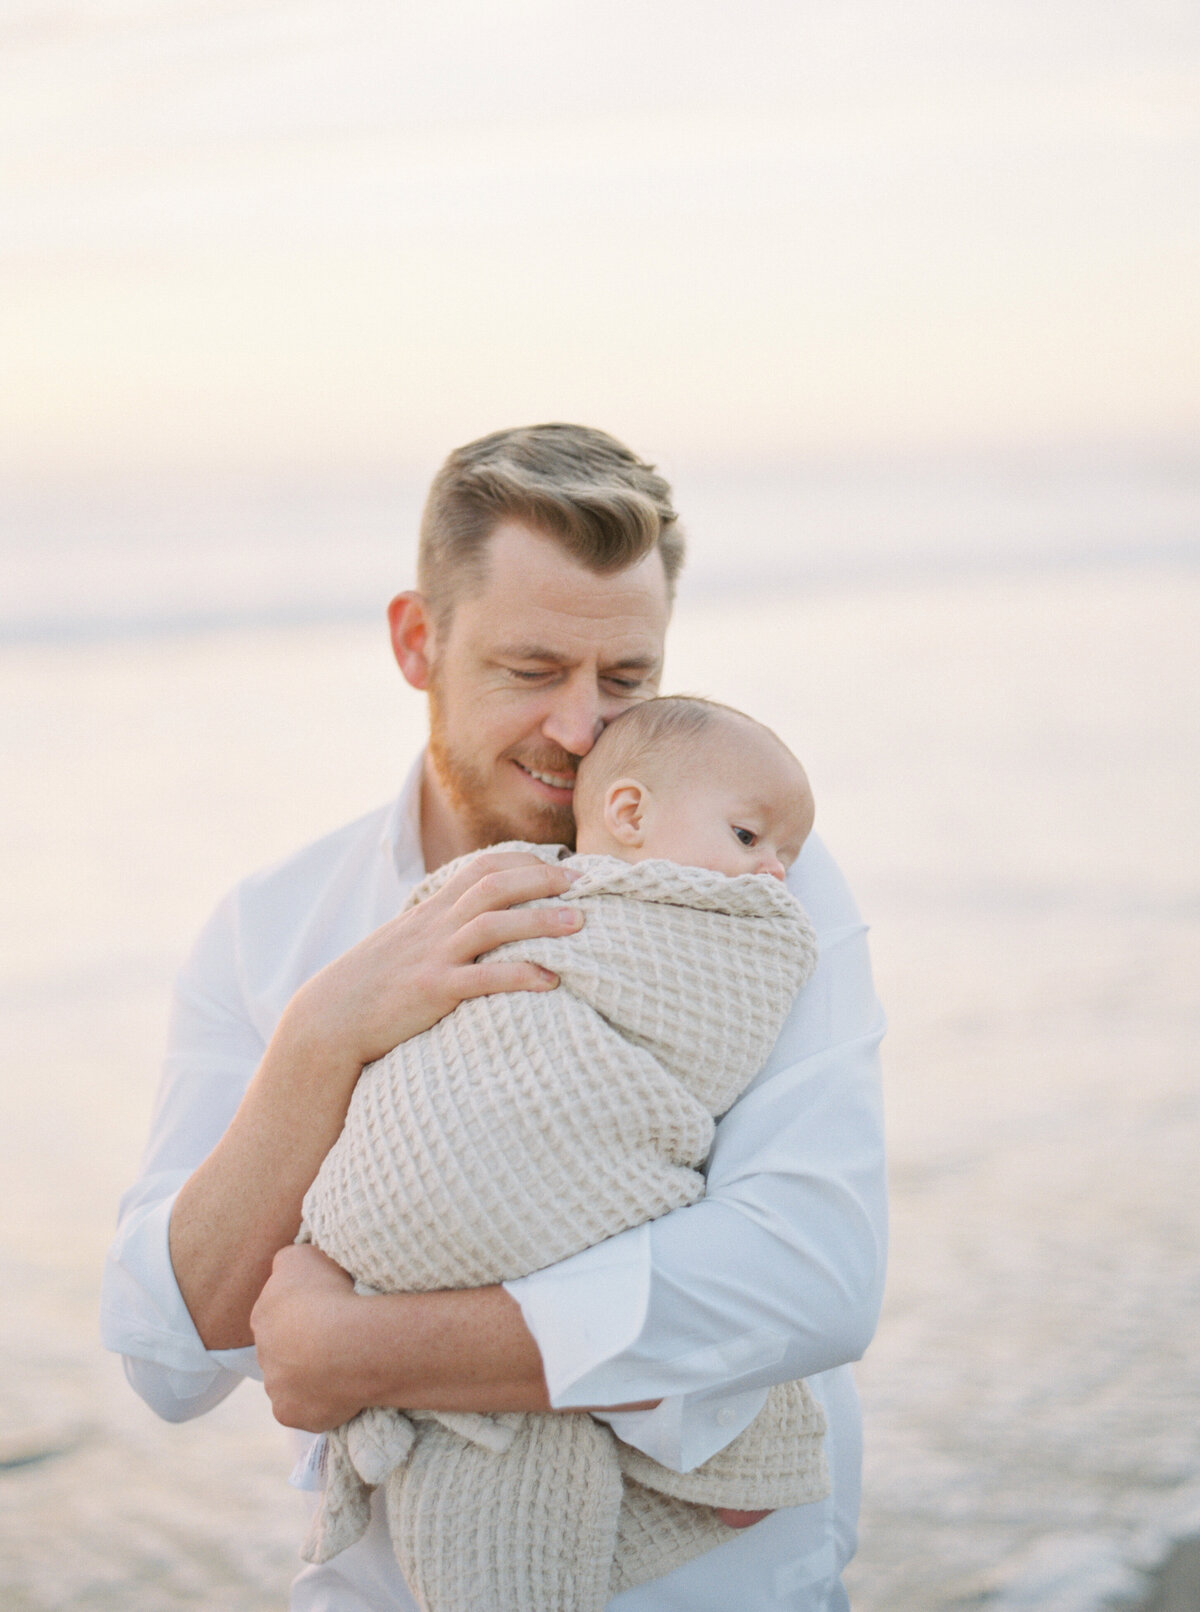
[
  {"x": 243, "y": 1203},
  {"x": 465, "y": 1350},
  {"x": 777, "y": 1273},
  {"x": 327, "y": 1352}
]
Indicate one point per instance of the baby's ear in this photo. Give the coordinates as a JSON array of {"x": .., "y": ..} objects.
[{"x": 624, "y": 809}]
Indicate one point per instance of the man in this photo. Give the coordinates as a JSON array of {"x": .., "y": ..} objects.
[{"x": 547, "y": 565}]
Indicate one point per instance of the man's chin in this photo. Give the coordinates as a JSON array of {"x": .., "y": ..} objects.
[
  {"x": 549, "y": 825},
  {"x": 541, "y": 823},
  {"x": 559, "y": 831},
  {"x": 467, "y": 792}
]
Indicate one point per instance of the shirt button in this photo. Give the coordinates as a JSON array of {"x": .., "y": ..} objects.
[{"x": 726, "y": 1416}]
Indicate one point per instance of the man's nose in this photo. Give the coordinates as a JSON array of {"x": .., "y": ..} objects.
[{"x": 574, "y": 721}]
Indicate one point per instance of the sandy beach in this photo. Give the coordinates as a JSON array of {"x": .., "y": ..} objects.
[{"x": 1005, "y": 766}]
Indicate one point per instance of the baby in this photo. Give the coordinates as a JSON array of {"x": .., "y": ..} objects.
[
  {"x": 693, "y": 782},
  {"x": 528, "y": 1125}
]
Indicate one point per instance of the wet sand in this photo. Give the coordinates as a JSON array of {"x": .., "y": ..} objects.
[{"x": 1006, "y": 768}]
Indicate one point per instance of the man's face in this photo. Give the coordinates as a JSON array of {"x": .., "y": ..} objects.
[{"x": 526, "y": 674}]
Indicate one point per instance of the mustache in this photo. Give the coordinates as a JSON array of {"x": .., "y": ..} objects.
[{"x": 561, "y": 762}]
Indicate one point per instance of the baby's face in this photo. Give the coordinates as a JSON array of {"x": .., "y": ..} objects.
[{"x": 742, "y": 805}]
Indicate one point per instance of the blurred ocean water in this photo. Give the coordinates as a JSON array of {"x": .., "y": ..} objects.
[
  {"x": 158, "y": 555},
  {"x": 1001, "y": 731}
]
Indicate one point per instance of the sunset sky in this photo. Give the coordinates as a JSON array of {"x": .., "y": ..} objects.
[{"x": 347, "y": 233}]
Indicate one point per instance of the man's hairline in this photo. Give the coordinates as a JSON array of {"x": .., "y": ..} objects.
[{"x": 478, "y": 571}]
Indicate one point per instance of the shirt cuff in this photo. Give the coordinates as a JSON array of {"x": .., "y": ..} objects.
[
  {"x": 686, "y": 1429},
  {"x": 584, "y": 1313},
  {"x": 587, "y": 1316},
  {"x": 144, "y": 1318}
]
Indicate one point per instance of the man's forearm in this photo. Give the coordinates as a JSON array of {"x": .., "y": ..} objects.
[
  {"x": 464, "y": 1350},
  {"x": 243, "y": 1203},
  {"x": 327, "y": 1352},
  {"x": 453, "y": 1351}
]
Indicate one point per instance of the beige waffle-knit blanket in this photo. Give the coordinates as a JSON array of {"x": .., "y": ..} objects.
[{"x": 520, "y": 1129}]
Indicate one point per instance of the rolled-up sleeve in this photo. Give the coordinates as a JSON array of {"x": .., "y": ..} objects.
[
  {"x": 777, "y": 1273},
  {"x": 212, "y": 1052}
]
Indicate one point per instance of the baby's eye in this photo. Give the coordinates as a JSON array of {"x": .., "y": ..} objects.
[{"x": 746, "y": 835}]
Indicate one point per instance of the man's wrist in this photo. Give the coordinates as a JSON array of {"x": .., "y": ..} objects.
[
  {"x": 463, "y": 1350},
  {"x": 310, "y": 1048}
]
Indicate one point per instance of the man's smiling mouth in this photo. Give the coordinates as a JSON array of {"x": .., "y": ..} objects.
[{"x": 553, "y": 780}]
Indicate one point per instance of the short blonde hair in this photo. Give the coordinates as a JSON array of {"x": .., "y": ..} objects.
[{"x": 579, "y": 486}]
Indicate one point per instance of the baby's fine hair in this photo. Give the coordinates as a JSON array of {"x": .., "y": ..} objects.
[{"x": 662, "y": 730}]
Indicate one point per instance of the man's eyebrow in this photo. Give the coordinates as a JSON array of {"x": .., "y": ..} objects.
[
  {"x": 630, "y": 663},
  {"x": 526, "y": 652},
  {"x": 634, "y": 663}
]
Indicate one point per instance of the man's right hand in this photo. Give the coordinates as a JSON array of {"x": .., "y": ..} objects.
[
  {"x": 243, "y": 1203},
  {"x": 414, "y": 970}
]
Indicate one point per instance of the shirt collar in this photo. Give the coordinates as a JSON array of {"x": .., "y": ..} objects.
[{"x": 401, "y": 838}]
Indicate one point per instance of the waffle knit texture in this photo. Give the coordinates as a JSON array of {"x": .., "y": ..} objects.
[{"x": 520, "y": 1129}]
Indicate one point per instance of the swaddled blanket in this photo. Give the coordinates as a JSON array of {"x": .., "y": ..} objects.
[{"x": 520, "y": 1129}]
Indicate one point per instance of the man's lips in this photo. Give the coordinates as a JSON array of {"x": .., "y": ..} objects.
[{"x": 562, "y": 782}]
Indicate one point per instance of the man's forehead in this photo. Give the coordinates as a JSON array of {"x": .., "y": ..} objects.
[
  {"x": 520, "y": 559},
  {"x": 536, "y": 602}
]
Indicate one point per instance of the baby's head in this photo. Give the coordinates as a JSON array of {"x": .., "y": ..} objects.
[{"x": 696, "y": 783}]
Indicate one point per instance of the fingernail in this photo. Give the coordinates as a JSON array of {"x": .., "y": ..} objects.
[
  {"x": 550, "y": 979},
  {"x": 569, "y": 918},
  {"x": 571, "y": 874}
]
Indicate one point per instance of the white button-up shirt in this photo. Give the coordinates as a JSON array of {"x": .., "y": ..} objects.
[{"x": 775, "y": 1274}]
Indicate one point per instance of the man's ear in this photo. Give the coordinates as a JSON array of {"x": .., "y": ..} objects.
[
  {"x": 411, "y": 627},
  {"x": 625, "y": 810}
]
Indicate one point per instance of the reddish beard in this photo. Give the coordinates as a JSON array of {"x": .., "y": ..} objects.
[{"x": 465, "y": 787}]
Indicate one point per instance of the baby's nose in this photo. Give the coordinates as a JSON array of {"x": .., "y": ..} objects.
[{"x": 773, "y": 866}]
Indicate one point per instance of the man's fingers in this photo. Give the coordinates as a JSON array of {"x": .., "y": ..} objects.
[
  {"x": 499, "y": 887},
  {"x": 491, "y": 929},
  {"x": 486, "y": 979},
  {"x": 485, "y": 863}
]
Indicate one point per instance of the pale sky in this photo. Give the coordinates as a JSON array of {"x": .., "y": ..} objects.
[{"x": 350, "y": 233}]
